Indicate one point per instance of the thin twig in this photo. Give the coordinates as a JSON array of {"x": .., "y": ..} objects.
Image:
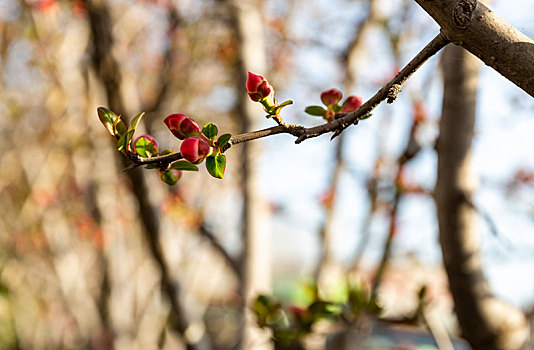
[{"x": 342, "y": 121}]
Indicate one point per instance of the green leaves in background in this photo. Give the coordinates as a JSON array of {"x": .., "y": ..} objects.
[
  {"x": 210, "y": 131},
  {"x": 216, "y": 164}
]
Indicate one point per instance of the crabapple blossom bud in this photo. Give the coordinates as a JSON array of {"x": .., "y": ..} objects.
[
  {"x": 331, "y": 97},
  {"x": 182, "y": 126},
  {"x": 195, "y": 149},
  {"x": 258, "y": 87},
  {"x": 352, "y": 103}
]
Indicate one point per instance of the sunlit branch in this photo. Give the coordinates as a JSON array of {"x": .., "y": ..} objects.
[{"x": 388, "y": 92}]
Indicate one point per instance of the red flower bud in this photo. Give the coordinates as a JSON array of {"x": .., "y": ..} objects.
[
  {"x": 258, "y": 87},
  {"x": 195, "y": 149},
  {"x": 182, "y": 126},
  {"x": 352, "y": 103},
  {"x": 331, "y": 97}
]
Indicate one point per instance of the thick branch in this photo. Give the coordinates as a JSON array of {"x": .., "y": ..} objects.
[{"x": 470, "y": 24}]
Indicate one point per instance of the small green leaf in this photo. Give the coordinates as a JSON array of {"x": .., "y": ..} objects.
[
  {"x": 169, "y": 177},
  {"x": 119, "y": 127},
  {"x": 317, "y": 111},
  {"x": 285, "y": 103},
  {"x": 184, "y": 165},
  {"x": 336, "y": 108},
  {"x": 152, "y": 166},
  {"x": 216, "y": 164},
  {"x": 123, "y": 144},
  {"x": 166, "y": 152},
  {"x": 145, "y": 147},
  {"x": 135, "y": 121},
  {"x": 210, "y": 131},
  {"x": 223, "y": 139},
  {"x": 108, "y": 118}
]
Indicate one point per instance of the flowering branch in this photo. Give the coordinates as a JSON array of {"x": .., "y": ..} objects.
[{"x": 202, "y": 144}]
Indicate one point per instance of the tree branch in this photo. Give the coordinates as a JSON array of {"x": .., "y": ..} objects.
[
  {"x": 470, "y": 24},
  {"x": 388, "y": 92}
]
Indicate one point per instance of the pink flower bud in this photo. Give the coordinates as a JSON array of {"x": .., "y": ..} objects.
[
  {"x": 182, "y": 126},
  {"x": 195, "y": 149},
  {"x": 331, "y": 97},
  {"x": 352, "y": 103},
  {"x": 258, "y": 87}
]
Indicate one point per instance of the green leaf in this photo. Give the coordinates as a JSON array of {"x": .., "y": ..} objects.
[
  {"x": 184, "y": 165},
  {"x": 119, "y": 127},
  {"x": 317, "y": 111},
  {"x": 135, "y": 121},
  {"x": 223, "y": 139},
  {"x": 216, "y": 164},
  {"x": 124, "y": 142},
  {"x": 108, "y": 118},
  {"x": 169, "y": 177},
  {"x": 210, "y": 131},
  {"x": 285, "y": 103},
  {"x": 166, "y": 152},
  {"x": 152, "y": 166},
  {"x": 145, "y": 148}
]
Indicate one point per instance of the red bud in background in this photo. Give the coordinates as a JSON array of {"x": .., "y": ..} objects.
[
  {"x": 352, "y": 103},
  {"x": 182, "y": 126},
  {"x": 195, "y": 149},
  {"x": 331, "y": 97}
]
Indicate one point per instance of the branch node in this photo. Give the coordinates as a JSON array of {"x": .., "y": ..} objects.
[
  {"x": 463, "y": 13},
  {"x": 393, "y": 92}
]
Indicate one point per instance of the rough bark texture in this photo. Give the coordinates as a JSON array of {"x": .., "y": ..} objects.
[
  {"x": 472, "y": 25},
  {"x": 255, "y": 259},
  {"x": 486, "y": 322}
]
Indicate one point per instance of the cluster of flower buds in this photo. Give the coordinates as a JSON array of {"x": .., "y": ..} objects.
[
  {"x": 259, "y": 90},
  {"x": 331, "y": 99},
  {"x": 195, "y": 147},
  {"x": 199, "y": 144}
]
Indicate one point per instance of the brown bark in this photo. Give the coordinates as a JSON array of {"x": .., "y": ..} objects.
[
  {"x": 486, "y": 322},
  {"x": 472, "y": 25}
]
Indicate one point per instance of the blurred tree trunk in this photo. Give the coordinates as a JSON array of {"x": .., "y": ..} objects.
[
  {"x": 255, "y": 259},
  {"x": 486, "y": 322},
  {"x": 108, "y": 72}
]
